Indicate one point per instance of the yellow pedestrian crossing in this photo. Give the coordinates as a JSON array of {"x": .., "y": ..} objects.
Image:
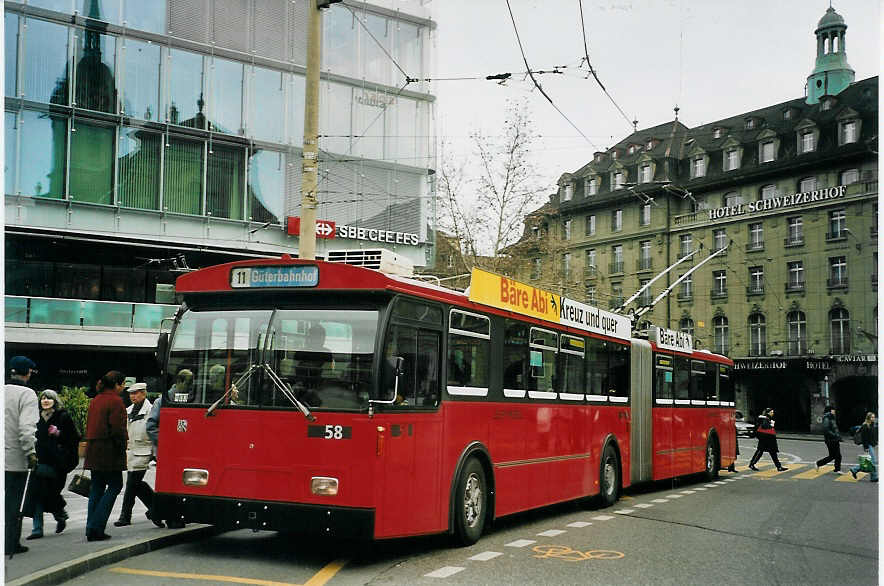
[
  {"x": 848, "y": 477},
  {"x": 774, "y": 472},
  {"x": 813, "y": 473}
]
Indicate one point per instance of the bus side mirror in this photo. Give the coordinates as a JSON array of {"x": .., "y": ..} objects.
[
  {"x": 162, "y": 348},
  {"x": 393, "y": 367}
]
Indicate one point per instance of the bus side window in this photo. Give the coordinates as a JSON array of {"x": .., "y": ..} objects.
[
  {"x": 682, "y": 379},
  {"x": 710, "y": 382}
]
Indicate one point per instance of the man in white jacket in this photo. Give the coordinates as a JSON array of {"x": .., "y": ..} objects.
[
  {"x": 138, "y": 456},
  {"x": 21, "y": 441}
]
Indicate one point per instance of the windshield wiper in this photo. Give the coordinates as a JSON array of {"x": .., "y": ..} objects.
[
  {"x": 233, "y": 386},
  {"x": 287, "y": 392}
]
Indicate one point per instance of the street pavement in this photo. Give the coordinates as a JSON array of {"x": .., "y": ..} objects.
[{"x": 56, "y": 558}]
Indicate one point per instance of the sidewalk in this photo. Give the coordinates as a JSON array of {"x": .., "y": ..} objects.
[{"x": 56, "y": 558}]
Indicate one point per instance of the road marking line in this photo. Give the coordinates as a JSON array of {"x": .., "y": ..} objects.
[
  {"x": 644, "y": 505},
  {"x": 602, "y": 518},
  {"x": 551, "y": 533},
  {"x": 659, "y": 501},
  {"x": 520, "y": 543},
  {"x": 687, "y": 492},
  {"x": 709, "y": 485},
  {"x": 719, "y": 482},
  {"x": 674, "y": 496},
  {"x": 578, "y": 524},
  {"x": 326, "y": 573},
  {"x": 700, "y": 488},
  {"x": 485, "y": 556},
  {"x": 444, "y": 572},
  {"x": 624, "y": 511},
  {"x": 208, "y": 577},
  {"x": 811, "y": 474}
]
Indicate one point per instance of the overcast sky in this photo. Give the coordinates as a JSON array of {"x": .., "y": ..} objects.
[{"x": 714, "y": 58}]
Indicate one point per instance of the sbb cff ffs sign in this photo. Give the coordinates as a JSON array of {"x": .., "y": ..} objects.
[{"x": 324, "y": 228}]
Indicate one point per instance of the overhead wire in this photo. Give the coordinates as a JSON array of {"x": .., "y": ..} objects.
[
  {"x": 534, "y": 80},
  {"x": 592, "y": 69}
]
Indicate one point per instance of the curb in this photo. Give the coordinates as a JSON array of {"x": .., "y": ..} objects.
[{"x": 71, "y": 569}]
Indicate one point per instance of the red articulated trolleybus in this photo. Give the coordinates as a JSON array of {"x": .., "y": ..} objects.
[{"x": 322, "y": 397}]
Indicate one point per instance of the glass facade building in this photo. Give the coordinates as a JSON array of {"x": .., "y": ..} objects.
[{"x": 174, "y": 127}]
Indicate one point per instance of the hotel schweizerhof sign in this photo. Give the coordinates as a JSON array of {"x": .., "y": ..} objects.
[{"x": 817, "y": 196}]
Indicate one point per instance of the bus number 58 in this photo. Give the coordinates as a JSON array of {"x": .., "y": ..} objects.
[{"x": 334, "y": 432}]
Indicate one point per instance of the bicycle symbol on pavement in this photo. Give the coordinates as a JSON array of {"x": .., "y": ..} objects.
[{"x": 565, "y": 553}]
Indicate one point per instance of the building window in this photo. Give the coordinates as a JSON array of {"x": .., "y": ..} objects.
[
  {"x": 616, "y": 295},
  {"x": 756, "y": 236},
  {"x": 732, "y": 198},
  {"x": 807, "y": 184},
  {"x": 806, "y": 142},
  {"x": 567, "y": 191},
  {"x": 768, "y": 191},
  {"x": 837, "y": 225},
  {"x": 797, "y": 333},
  {"x": 536, "y": 265},
  {"x": 590, "y": 258},
  {"x": 757, "y": 335},
  {"x": 756, "y": 280},
  {"x": 92, "y": 163},
  {"x": 590, "y": 225},
  {"x": 849, "y": 176},
  {"x": 848, "y": 132},
  {"x": 591, "y": 298},
  {"x": 566, "y": 266},
  {"x": 719, "y": 278},
  {"x": 616, "y": 220},
  {"x": 767, "y": 151},
  {"x": 644, "y": 218},
  {"x": 796, "y": 275},
  {"x": 566, "y": 228},
  {"x": 536, "y": 231},
  {"x": 787, "y": 114},
  {"x": 750, "y": 123},
  {"x": 839, "y": 320},
  {"x": 644, "y": 255},
  {"x": 719, "y": 238},
  {"x": 686, "y": 242},
  {"x": 617, "y": 258},
  {"x": 838, "y": 271},
  {"x": 617, "y": 181},
  {"x": 645, "y": 298},
  {"x": 698, "y": 167},
  {"x": 716, "y": 133},
  {"x": 686, "y": 290},
  {"x": 731, "y": 160},
  {"x": 686, "y": 325},
  {"x": 796, "y": 230},
  {"x": 645, "y": 174},
  {"x": 650, "y": 144},
  {"x": 720, "y": 327},
  {"x": 590, "y": 187}
]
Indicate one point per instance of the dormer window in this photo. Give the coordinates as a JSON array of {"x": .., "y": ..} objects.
[
  {"x": 645, "y": 173},
  {"x": 698, "y": 167},
  {"x": 806, "y": 142},
  {"x": 631, "y": 149},
  {"x": 731, "y": 160},
  {"x": 766, "y": 151},
  {"x": 750, "y": 123},
  {"x": 827, "y": 104},
  {"x": 787, "y": 114},
  {"x": 567, "y": 192},
  {"x": 617, "y": 180},
  {"x": 848, "y": 131},
  {"x": 614, "y": 155},
  {"x": 650, "y": 144},
  {"x": 590, "y": 187},
  {"x": 716, "y": 133}
]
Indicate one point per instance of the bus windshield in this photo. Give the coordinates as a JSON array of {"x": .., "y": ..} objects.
[{"x": 324, "y": 356}]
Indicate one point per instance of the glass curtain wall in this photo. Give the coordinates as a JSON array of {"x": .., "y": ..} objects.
[
  {"x": 92, "y": 163},
  {"x": 138, "y": 157},
  {"x": 141, "y": 79}
]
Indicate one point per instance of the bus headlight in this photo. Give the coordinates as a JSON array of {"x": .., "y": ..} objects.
[
  {"x": 323, "y": 485},
  {"x": 195, "y": 477}
]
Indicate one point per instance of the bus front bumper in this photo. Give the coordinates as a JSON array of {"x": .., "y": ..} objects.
[{"x": 231, "y": 513}]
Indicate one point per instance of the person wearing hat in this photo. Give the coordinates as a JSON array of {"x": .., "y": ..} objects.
[
  {"x": 138, "y": 456},
  {"x": 832, "y": 437},
  {"x": 20, "y": 403},
  {"x": 57, "y": 439}
]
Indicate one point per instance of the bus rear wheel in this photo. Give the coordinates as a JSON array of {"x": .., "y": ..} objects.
[
  {"x": 712, "y": 459},
  {"x": 609, "y": 478},
  {"x": 470, "y": 501}
]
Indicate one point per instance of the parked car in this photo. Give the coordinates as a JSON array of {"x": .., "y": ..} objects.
[{"x": 744, "y": 427}]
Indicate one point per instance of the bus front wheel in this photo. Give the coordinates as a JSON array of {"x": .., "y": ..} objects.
[
  {"x": 471, "y": 498},
  {"x": 609, "y": 478}
]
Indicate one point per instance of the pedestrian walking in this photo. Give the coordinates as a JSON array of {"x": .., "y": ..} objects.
[
  {"x": 20, "y": 419},
  {"x": 105, "y": 452},
  {"x": 767, "y": 440},
  {"x": 869, "y": 434},
  {"x": 832, "y": 437},
  {"x": 138, "y": 456},
  {"x": 57, "y": 440}
]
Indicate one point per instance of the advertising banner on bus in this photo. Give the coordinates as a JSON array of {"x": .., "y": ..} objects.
[{"x": 505, "y": 293}]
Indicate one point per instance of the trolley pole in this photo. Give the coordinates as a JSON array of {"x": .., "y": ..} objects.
[{"x": 309, "y": 161}]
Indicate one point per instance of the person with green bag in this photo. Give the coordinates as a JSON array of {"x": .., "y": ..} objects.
[{"x": 869, "y": 433}]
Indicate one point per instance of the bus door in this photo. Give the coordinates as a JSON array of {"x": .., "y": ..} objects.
[
  {"x": 662, "y": 429},
  {"x": 409, "y": 446}
]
